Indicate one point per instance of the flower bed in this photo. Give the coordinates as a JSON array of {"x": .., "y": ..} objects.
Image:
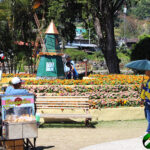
[
  {"x": 93, "y": 80},
  {"x": 99, "y": 80},
  {"x": 103, "y": 90},
  {"x": 21, "y": 75},
  {"x": 100, "y": 96}
]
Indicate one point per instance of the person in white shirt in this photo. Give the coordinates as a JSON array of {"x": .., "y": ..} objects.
[{"x": 66, "y": 68}]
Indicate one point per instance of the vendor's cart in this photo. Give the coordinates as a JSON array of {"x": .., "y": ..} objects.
[{"x": 18, "y": 124}]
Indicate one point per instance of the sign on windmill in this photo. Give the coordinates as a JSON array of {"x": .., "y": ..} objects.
[{"x": 51, "y": 64}]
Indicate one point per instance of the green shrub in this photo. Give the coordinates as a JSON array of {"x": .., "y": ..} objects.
[
  {"x": 142, "y": 49},
  {"x": 76, "y": 54},
  {"x": 79, "y": 55}
]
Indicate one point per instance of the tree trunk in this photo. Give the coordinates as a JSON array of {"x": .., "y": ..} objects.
[
  {"x": 110, "y": 54},
  {"x": 105, "y": 30},
  {"x": 11, "y": 65}
]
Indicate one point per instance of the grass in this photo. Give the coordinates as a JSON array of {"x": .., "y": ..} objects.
[
  {"x": 123, "y": 124},
  {"x": 98, "y": 124},
  {"x": 63, "y": 125}
]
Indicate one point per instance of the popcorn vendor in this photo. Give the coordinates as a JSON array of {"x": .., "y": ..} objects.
[{"x": 15, "y": 89}]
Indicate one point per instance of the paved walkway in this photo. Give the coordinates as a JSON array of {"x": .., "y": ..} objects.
[{"x": 129, "y": 144}]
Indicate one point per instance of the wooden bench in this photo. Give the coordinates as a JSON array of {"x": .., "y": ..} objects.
[{"x": 63, "y": 103}]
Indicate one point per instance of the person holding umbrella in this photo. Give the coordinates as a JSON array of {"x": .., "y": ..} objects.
[
  {"x": 145, "y": 93},
  {"x": 145, "y": 96}
]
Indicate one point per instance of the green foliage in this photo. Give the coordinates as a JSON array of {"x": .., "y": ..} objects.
[
  {"x": 80, "y": 55},
  {"x": 96, "y": 56},
  {"x": 123, "y": 54},
  {"x": 142, "y": 49},
  {"x": 64, "y": 13},
  {"x": 18, "y": 23},
  {"x": 5, "y": 10},
  {"x": 142, "y": 37},
  {"x": 142, "y": 9},
  {"x": 76, "y": 54},
  {"x": 23, "y": 21}
]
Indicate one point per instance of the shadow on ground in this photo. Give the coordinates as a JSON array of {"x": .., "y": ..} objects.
[
  {"x": 44, "y": 147},
  {"x": 67, "y": 124}
]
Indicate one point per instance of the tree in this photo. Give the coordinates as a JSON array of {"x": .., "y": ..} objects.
[
  {"x": 23, "y": 24},
  {"x": 103, "y": 13},
  {"x": 6, "y": 40},
  {"x": 17, "y": 24}
]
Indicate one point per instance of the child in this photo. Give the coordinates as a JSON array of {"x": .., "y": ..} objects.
[{"x": 145, "y": 95}]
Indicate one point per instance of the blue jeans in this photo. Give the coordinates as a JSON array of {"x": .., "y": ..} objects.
[
  {"x": 68, "y": 76},
  {"x": 147, "y": 114}
]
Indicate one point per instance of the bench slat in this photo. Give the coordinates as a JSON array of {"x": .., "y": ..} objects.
[
  {"x": 46, "y": 99},
  {"x": 63, "y": 104},
  {"x": 73, "y": 97},
  {"x": 66, "y": 115},
  {"x": 62, "y": 107},
  {"x": 48, "y": 102}
]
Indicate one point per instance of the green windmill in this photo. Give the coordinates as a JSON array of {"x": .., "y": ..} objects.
[{"x": 51, "y": 64}]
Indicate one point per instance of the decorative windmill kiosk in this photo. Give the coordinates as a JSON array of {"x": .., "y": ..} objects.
[{"x": 51, "y": 64}]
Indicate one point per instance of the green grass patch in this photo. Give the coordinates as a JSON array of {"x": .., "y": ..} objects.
[{"x": 121, "y": 123}]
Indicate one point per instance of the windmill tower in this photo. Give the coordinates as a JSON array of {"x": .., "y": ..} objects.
[{"x": 51, "y": 64}]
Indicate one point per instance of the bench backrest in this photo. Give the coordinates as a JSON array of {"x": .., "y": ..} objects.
[{"x": 62, "y": 102}]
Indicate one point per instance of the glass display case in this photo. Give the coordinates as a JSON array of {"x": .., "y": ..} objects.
[
  {"x": 18, "y": 117},
  {"x": 18, "y": 108}
]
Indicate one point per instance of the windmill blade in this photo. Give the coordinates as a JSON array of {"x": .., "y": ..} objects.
[
  {"x": 36, "y": 44},
  {"x": 40, "y": 33}
]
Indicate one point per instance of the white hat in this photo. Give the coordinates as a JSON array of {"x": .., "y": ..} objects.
[{"x": 16, "y": 80}]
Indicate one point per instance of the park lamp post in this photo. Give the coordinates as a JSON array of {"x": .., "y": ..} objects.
[
  {"x": 125, "y": 12},
  {"x": 89, "y": 20},
  {"x": 85, "y": 61},
  {"x": 89, "y": 36}
]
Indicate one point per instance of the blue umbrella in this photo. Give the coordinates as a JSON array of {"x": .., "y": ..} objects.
[{"x": 139, "y": 65}]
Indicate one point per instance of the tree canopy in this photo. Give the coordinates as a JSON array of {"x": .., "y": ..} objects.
[{"x": 16, "y": 18}]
